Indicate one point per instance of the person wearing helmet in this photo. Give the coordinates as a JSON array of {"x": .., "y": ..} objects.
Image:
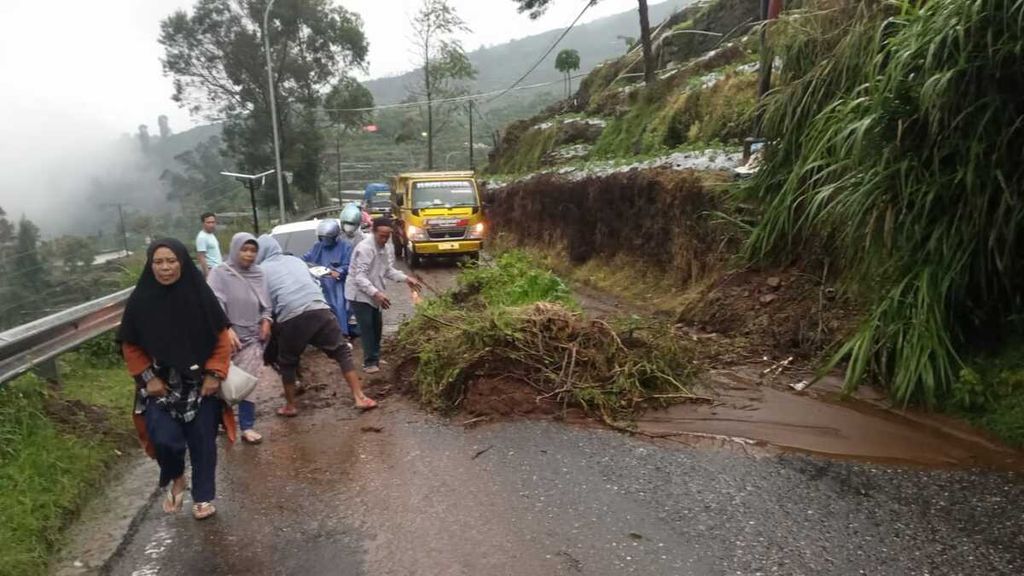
[
  {"x": 332, "y": 252},
  {"x": 351, "y": 224},
  {"x": 352, "y": 217}
]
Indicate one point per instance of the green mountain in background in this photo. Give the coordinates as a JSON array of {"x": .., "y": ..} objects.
[
  {"x": 352, "y": 160},
  {"x": 500, "y": 66}
]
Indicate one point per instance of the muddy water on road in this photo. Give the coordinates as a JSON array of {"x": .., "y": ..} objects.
[{"x": 748, "y": 412}]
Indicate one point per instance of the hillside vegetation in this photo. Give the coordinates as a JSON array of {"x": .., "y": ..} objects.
[
  {"x": 705, "y": 94},
  {"x": 892, "y": 172},
  {"x": 898, "y": 148}
]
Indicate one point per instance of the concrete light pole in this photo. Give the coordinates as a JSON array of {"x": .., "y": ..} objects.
[{"x": 273, "y": 110}]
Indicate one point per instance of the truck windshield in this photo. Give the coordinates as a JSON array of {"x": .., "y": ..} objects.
[
  {"x": 447, "y": 194},
  {"x": 380, "y": 201}
]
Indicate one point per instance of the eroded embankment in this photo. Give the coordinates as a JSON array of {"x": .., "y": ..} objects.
[
  {"x": 673, "y": 231},
  {"x": 672, "y": 237}
]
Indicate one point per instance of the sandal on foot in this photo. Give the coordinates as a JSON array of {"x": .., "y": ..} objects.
[
  {"x": 287, "y": 412},
  {"x": 203, "y": 510},
  {"x": 366, "y": 404},
  {"x": 252, "y": 437},
  {"x": 173, "y": 502}
]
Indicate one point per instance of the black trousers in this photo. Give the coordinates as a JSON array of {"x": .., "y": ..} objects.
[{"x": 317, "y": 328}]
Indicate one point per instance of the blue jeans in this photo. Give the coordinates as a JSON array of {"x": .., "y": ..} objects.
[
  {"x": 371, "y": 329},
  {"x": 246, "y": 415},
  {"x": 172, "y": 438}
]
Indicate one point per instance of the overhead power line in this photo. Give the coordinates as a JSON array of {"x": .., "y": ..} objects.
[
  {"x": 463, "y": 98},
  {"x": 562, "y": 36}
]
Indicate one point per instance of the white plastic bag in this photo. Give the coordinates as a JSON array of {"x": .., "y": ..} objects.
[{"x": 237, "y": 386}]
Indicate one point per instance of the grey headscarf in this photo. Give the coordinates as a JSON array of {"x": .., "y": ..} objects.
[{"x": 242, "y": 292}]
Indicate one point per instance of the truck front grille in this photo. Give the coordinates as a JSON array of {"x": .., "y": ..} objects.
[{"x": 446, "y": 233}]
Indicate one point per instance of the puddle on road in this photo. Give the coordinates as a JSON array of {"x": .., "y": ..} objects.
[{"x": 748, "y": 413}]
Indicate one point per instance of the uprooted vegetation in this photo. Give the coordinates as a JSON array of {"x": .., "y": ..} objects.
[{"x": 512, "y": 340}]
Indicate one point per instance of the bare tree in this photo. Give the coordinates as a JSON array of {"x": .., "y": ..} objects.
[{"x": 443, "y": 60}]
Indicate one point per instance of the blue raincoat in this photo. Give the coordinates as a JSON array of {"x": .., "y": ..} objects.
[{"x": 335, "y": 256}]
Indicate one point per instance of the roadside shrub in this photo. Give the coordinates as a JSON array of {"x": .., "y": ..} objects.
[{"x": 897, "y": 132}]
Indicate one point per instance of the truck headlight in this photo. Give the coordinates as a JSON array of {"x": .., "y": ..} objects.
[
  {"x": 415, "y": 233},
  {"x": 477, "y": 231}
]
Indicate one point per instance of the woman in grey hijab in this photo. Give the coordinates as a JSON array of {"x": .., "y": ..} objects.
[{"x": 242, "y": 291}]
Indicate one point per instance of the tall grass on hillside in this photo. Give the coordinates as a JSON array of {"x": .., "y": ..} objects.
[{"x": 899, "y": 136}]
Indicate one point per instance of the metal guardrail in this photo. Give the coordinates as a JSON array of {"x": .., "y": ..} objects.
[{"x": 39, "y": 342}]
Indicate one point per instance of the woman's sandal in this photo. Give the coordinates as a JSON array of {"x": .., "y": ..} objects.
[
  {"x": 172, "y": 503},
  {"x": 203, "y": 510},
  {"x": 252, "y": 437},
  {"x": 366, "y": 404}
]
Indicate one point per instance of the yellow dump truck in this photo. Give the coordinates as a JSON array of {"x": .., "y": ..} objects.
[{"x": 439, "y": 214}]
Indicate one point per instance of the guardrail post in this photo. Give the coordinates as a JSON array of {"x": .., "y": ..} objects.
[{"x": 49, "y": 370}]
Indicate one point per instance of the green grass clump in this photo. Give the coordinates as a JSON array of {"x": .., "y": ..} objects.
[
  {"x": 990, "y": 392},
  {"x": 516, "y": 320},
  {"x": 528, "y": 152},
  {"x": 515, "y": 280},
  {"x": 55, "y": 447},
  {"x": 897, "y": 131}
]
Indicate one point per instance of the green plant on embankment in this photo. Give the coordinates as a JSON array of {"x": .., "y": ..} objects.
[
  {"x": 56, "y": 445},
  {"x": 898, "y": 136},
  {"x": 517, "y": 321},
  {"x": 990, "y": 392}
]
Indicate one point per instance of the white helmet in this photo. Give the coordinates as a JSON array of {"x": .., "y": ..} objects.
[
  {"x": 351, "y": 219},
  {"x": 328, "y": 228}
]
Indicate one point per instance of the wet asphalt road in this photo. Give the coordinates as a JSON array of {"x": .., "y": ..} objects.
[{"x": 400, "y": 492}]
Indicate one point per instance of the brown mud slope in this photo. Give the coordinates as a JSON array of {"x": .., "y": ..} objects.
[
  {"x": 661, "y": 217},
  {"x": 669, "y": 222}
]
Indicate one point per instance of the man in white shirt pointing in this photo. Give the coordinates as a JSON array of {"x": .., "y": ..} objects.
[{"x": 373, "y": 262}]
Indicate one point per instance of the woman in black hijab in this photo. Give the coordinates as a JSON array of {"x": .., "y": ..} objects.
[{"x": 175, "y": 342}]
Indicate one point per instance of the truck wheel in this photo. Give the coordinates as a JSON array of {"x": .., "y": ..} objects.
[{"x": 412, "y": 258}]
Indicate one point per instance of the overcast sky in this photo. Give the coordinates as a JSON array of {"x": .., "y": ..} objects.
[
  {"x": 76, "y": 74},
  {"x": 94, "y": 65}
]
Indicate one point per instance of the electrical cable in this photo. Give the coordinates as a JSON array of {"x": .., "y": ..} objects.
[{"x": 586, "y": 7}]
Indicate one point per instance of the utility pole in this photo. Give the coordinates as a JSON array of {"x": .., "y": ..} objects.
[
  {"x": 124, "y": 231},
  {"x": 337, "y": 149},
  {"x": 273, "y": 110},
  {"x": 472, "y": 166},
  {"x": 645, "y": 40}
]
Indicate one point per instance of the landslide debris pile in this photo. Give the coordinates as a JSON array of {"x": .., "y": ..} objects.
[{"x": 515, "y": 326}]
